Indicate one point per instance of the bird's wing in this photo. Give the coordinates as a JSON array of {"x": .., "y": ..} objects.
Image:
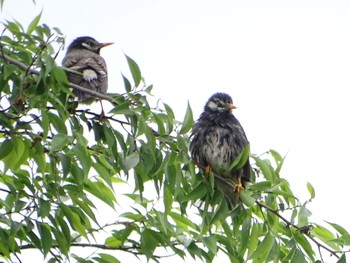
[{"x": 84, "y": 63}]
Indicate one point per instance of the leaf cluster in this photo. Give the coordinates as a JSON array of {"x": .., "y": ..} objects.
[{"x": 66, "y": 175}]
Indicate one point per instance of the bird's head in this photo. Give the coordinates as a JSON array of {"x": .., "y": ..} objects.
[
  {"x": 219, "y": 103},
  {"x": 88, "y": 43}
]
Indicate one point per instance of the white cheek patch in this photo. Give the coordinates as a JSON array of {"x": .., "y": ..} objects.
[
  {"x": 89, "y": 74},
  {"x": 212, "y": 105},
  {"x": 86, "y": 45}
]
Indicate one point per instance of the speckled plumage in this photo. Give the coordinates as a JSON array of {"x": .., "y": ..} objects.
[
  {"x": 217, "y": 140},
  {"x": 83, "y": 56}
]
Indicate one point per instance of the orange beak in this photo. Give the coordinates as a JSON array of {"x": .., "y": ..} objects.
[
  {"x": 106, "y": 44},
  {"x": 231, "y": 106}
]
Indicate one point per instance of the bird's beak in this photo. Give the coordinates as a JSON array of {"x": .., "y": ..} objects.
[
  {"x": 231, "y": 106},
  {"x": 106, "y": 44}
]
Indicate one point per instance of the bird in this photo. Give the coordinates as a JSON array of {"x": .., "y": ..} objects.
[
  {"x": 217, "y": 139},
  {"x": 86, "y": 67}
]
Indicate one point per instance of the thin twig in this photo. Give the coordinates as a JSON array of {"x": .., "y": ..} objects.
[
  {"x": 303, "y": 230},
  {"x": 72, "y": 85},
  {"x": 105, "y": 117},
  {"x": 299, "y": 229}
]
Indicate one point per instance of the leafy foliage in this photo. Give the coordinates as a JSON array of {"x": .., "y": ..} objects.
[{"x": 65, "y": 175}]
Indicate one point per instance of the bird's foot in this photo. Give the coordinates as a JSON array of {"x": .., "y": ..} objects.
[
  {"x": 208, "y": 169},
  {"x": 238, "y": 186},
  {"x": 102, "y": 115}
]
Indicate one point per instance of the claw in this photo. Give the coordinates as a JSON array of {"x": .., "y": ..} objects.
[
  {"x": 102, "y": 115},
  {"x": 208, "y": 169},
  {"x": 238, "y": 186}
]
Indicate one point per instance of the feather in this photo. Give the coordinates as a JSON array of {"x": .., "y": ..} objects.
[
  {"x": 217, "y": 139},
  {"x": 91, "y": 69}
]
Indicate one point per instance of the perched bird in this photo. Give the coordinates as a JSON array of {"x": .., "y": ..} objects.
[
  {"x": 89, "y": 69},
  {"x": 217, "y": 139}
]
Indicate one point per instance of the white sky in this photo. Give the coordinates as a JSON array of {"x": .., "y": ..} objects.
[{"x": 285, "y": 63}]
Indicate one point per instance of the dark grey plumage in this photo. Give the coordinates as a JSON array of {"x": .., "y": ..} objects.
[
  {"x": 217, "y": 140},
  {"x": 83, "y": 56}
]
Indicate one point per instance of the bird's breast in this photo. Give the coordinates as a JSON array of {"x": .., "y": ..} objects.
[{"x": 218, "y": 149}]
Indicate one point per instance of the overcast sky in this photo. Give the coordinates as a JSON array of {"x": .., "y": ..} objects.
[{"x": 285, "y": 63}]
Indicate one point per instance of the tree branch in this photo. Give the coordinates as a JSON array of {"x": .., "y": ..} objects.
[
  {"x": 303, "y": 230},
  {"x": 72, "y": 85}
]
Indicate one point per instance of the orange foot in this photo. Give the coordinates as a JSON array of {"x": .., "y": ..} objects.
[
  {"x": 208, "y": 169},
  {"x": 238, "y": 186}
]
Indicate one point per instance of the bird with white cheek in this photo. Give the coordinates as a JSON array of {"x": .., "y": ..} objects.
[
  {"x": 87, "y": 68},
  {"x": 217, "y": 139}
]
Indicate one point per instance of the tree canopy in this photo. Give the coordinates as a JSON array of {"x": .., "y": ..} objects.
[{"x": 126, "y": 183}]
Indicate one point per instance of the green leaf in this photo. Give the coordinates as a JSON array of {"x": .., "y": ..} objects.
[
  {"x": 135, "y": 217},
  {"x": 210, "y": 243},
  {"x": 74, "y": 219},
  {"x": 197, "y": 193},
  {"x": 264, "y": 186},
  {"x": 104, "y": 171},
  {"x": 18, "y": 153},
  {"x": 60, "y": 141},
  {"x": 34, "y": 24},
  {"x": 8, "y": 69},
  {"x": 46, "y": 238},
  {"x": 122, "y": 235},
  {"x": 171, "y": 117},
  {"x": 188, "y": 121},
  {"x": 266, "y": 169},
  {"x": 247, "y": 198},
  {"x": 241, "y": 159},
  {"x": 278, "y": 159},
  {"x": 34, "y": 239},
  {"x": 168, "y": 200},
  {"x": 113, "y": 242},
  {"x": 57, "y": 122},
  {"x": 106, "y": 258},
  {"x": 160, "y": 123},
  {"x": 325, "y": 235},
  {"x": 341, "y": 230},
  {"x": 304, "y": 243},
  {"x": 298, "y": 257},
  {"x": 183, "y": 222},
  {"x": 135, "y": 70},
  {"x": 64, "y": 229},
  {"x": 342, "y": 259},
  {"x": 61, "y": 241},
  {"x": 83, "y": 157},
  {"x": 311, "y": 190},
  {"x": 130, "y": 161},
  {"x": 245, "y": 235},
  {"x": 222, "y": 211},
  {"x": 5, "y": 148},
  {"x": 263, "y": 248},
  {"x": 148, "y": 242},
  {"x": 66, "y": 163},
  {"x": 303, "y": 216},
  {"x": 44, "y": 208},
  {"x": 194, "y": 251},
  {"x": 127, "y": 84},
  {"x": 101, "y": 191}
]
